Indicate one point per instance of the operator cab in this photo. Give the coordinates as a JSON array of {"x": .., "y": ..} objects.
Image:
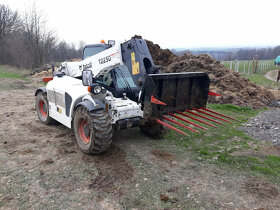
[{"x": 117, "y": 81}]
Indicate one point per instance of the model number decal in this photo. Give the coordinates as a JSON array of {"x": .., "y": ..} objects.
[{"x": 105, "y": 59}]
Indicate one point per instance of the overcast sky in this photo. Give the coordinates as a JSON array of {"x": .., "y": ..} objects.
[{"x": 171, "y": 24}]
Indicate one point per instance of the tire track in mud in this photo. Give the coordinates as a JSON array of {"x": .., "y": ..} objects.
[{"x": 115, "y": 174}]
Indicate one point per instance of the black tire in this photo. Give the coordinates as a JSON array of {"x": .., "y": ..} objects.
[
  {"x": 154, "y": 130},
  {"x": 93, "y": 130},
  {"x": 42, "y": 109}
]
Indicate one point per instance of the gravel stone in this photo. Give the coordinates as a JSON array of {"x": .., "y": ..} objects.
[{"x": 266, "y": 126}]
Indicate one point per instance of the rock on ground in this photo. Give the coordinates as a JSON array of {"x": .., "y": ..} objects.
[{"x": 266, "y": 126}]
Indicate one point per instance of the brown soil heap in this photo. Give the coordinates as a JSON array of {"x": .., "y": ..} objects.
[
  {"x": 162, "y": 57},
  {"x": 233, "y": 88}
]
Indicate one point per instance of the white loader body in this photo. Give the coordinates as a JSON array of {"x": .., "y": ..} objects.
[
  {"x": 99, "y": 64},
  {"x": 62, "y": 109},
  {"x": 56, "y": 90}
]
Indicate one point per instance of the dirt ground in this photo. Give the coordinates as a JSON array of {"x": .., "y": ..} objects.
[
  {"x": 42, "y": 167},
  {"x": 272, "y": 75}
]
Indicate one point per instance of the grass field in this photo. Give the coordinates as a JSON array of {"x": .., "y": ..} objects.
[
  {"x": 11, "y": 77},
  {"x": 245, "y": 66},
  {"x": 13, "y": 73},
  {"x": 261, "y": 80},
  {"x": 219, "y": 145},
  {"x": 257, "y": 77}
]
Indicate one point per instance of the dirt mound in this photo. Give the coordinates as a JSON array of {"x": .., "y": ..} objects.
[
  {"x": 162, "y": 57},
  {"x": 43, "y": 73},
  {"x": 233, "y": 88}
]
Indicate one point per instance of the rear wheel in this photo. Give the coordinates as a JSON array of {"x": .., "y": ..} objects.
[
  {"x": 42, "y": 109},
  {"x": 93, "y": 130},
  {"x": 154, "y": 130}
]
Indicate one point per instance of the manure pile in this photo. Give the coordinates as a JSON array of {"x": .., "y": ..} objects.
[{"x": 233, "y": 88}]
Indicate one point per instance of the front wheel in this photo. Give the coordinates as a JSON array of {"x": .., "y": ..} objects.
[{"x": 93, "y": 130}]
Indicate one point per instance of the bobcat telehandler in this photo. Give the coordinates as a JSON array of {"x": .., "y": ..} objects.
[{"x": 117, "y": 86}]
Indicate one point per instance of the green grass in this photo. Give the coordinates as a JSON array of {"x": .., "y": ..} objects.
[
  {"x": 13, "y": 73},
  {"x": 9, "y": 75},
  {"x": 12, "y": 78},
  {"x": 218, "y": 144},
  {"x": 261, "y": 80}
]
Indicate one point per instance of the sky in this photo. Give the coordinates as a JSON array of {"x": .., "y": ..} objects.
[{"x": 171, "y": 24}]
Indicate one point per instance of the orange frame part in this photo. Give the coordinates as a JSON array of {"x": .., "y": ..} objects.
[{"x": 47, "y": 79}]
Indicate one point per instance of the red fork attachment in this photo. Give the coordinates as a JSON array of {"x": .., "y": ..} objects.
[
  {"x": 193, "y": 118},
  {"x": 187, "y": 121},
  {"x": 156, "y": 101},
  {"x": 211, "y": 115},
  {"x": 217, "y": 113},
  {"x": 210, "y": 93},
  {"x": 180, "y": 124},
  {"x": 207, "y": 118},
  {"x": 171, "y": 127},
  {"x": 201, "y": 110}
]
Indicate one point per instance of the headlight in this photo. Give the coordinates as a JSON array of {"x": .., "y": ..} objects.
[{"x": 97, "y": 89}]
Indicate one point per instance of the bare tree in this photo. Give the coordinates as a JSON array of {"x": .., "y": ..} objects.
[
  {"x": 9, "y": 22},
  {"x": 28, "y": 42},
  {"x": 39, "y": 40}
]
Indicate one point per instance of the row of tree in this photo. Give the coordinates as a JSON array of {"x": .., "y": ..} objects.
[
  {"x": 239, "y": 54},
  {"x": 247, "y": 54},
  {"x": 26, "y": 41}
]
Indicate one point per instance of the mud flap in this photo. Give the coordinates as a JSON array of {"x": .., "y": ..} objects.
[{"x": 180, "y": 91}]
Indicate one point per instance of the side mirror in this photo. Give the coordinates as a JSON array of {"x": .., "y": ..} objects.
[
  {"x": 87, "y": 78},
  {"x": 111, "y": 42}
]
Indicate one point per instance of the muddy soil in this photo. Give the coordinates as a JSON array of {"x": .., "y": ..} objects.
[
  {"x": 42, "y": 167},
  {"x": 233, "y": 88}
]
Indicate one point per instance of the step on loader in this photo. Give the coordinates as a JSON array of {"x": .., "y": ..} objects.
[{"x": 118, "y": 86}]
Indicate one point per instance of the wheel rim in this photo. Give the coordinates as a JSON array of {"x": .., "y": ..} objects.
[
  {"x": 84, "y": 131},
  {"x": 43, "y": 108}
]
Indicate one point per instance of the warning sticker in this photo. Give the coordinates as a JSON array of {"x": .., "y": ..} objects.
[
  {"x": 59, "y": 110},
  {"x": 135, "y": 65}
]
